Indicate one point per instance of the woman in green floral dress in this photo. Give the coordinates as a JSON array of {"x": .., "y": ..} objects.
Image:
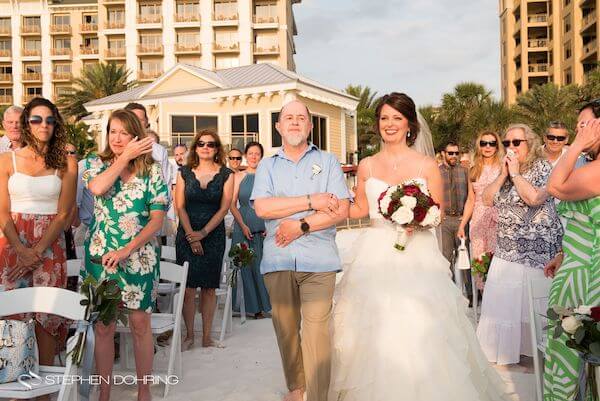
[
  {"x": 129, "y": 207},
  {"x": 577, "y": 272}
]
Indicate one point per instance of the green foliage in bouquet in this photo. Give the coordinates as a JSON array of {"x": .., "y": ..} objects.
[
  {"x": 481, "y": 264},
  {"x": 240, "y": 255}
]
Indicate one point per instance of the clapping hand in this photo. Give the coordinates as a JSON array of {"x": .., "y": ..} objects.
[
  {"x": 288, "y": 231},
  {"x": 136, "y": 148},
  {"x": 327, "y": 203},
  {"x": 588, "y": 136},
  {"x": 512, "y": 163}
]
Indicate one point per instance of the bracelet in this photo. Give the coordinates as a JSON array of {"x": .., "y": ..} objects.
[
  {"x": 309, "y": 202},
  {"x": 203, "y": 233},
  {"x": 514, "y": 175}
]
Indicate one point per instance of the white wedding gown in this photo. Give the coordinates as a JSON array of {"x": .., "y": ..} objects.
[{"x": 400, "y": 325}]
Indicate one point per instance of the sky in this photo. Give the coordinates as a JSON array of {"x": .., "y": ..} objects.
[{"x": 420, "y": 47}]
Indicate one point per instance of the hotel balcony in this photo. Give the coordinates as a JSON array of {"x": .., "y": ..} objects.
[
  {"x": 29, "y": 98},
  {"x": 146, "y": 50},
  {"x": 88, "y": 51},
  {"x": 108, "y": 2},
  {"x": 118, "y": 24},
  {"x": 265, "y": 49},
  {"x": 5, "y": 78},
  {"x": 6, "y": 99},
  {"x": 5, "y": 30},
  {"x": 88, "y": 28},
  {"x": 31, "y": 52},
  {"x": 590, "y": 49},
  {"x": 537, "y": 44},
  {"x": 187, "y": 18},
  {"x": 518, "y": 26},
  {"x": 60, "y": 29},
  {"x": 118, "y": 53},
  {"x": 586, "y": 3},
  {"x": 32, "y": 77},
  {"x": 233, "y": 47},
  {"x": 538, "y": 19},
  {"x": 264, "y": 22},
  {"x": 588, "y": 21},
  {"x": 186, "y": 48},
  {"x": 31, "y": 30},
  {"x": 149, "y": 21},
  {"x": 225, "y": 19},
  {"x": 5, "y": 53},
  {"x": 62, "y": 76},
  {"x": 62, "y": 51},
  {"x": 538, "y": 68},
  {"x": 148, "y": 75}
]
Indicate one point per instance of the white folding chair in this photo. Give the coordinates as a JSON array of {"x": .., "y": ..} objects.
[
  {"x": 59, "y": 302},
  {"x": 80, "y": 252},
  {"x": 74, "y": 267},
  {"x": 163, "y": 322},
  {"x": 538, "y": 291},
  {"x": 168, "y": 254}
]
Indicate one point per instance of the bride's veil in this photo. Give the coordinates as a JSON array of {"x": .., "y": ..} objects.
[{"x": 424, "y": 142}]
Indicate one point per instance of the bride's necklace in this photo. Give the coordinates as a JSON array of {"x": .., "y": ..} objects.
[{"x": 395, "y": 161}]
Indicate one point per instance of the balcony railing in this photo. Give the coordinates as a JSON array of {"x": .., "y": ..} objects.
[
  {"x": 261, "y": 19},
  {"x": 31, "y": 52},
  {"x": 60, "y": 29},
  {"x": 29, "y": 98},
  {"x": 32, "y": 76},
  {"x": 187, "y": 48},
  {"x": 5, "y": 78},
  {"x": 62, "y": 76},
  {"x": 187, "y": 17},
  {"x": 590, "y": 48},
  {"x": 88, "y": 50},
  {"x": 6, "y": 99},
  {"x": 115, "y": 53},
  {"x": 588, "y": 19},
  {"x": 5, "y": 30},
  {"x": 538, "y": 43},
  {"x": 5, "y": 52},
  {"x": 538, "y": 18},
  {"x": 117, "y": 24},
  {"x": 226, "y": 47},
  {"x": 149, "y": 19},
  {"x": 149, "y": 49},
  {"x": 225, "y": 17},
  {"x": 146, "y": 75},
  {"x": 539, "y": 67},
  {"x": 31, "y": 29},
  {"x": 60, "y": 51},
  {"x": 87, "y": 28},
  {"x": 266, "y": 49}
]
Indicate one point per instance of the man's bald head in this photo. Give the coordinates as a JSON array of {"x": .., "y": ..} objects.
[
  {"x": 294, "y": 104},
  {"x": 294, "y": 123}
]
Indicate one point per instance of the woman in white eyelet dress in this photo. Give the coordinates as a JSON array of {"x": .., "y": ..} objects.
[{"x": 400, "y": 329}]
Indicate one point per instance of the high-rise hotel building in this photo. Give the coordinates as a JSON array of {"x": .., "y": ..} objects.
[
  {"x": 547, "y": 41},
  {"x": 44, "y": 44}
]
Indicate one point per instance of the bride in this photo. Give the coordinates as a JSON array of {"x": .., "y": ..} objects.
[{"x": 400, "y": 325}]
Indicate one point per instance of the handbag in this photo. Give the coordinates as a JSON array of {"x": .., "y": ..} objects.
[
  {"x": 462, "y": 259},
  {"x": 18, "y": 349}
]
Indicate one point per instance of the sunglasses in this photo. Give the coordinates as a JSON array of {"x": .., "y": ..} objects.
[
  {"x": 37, "y": 120},
  {"x": 71, "y": 152},
  {"x": 210, "y": 145},
  {"x": 452, "y": 153},
  {"x": 555, "y": 138},
  {"x": 235, "y": 157},
  {"x": 515, "y": 142},
  {"x": 492, "y": 144}
]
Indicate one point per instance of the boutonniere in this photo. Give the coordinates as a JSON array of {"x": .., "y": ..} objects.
[{"x": 316, "y": 169}]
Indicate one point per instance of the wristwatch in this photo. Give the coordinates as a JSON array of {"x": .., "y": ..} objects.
[{"x": 304, "y": 226}]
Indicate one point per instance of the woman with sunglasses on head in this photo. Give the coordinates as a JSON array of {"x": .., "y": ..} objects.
[
  {"x": 37, "y": 193},
  {"x": 249, "y": 228},
  {"x": 483, "y": 219},
  {"x": 528, "y": 236},
  {"x": 203, "y": 196},
  {"x": 576, "y": 272}
]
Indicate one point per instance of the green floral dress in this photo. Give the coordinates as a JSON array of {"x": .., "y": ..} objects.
[{"x": 119, "y": 216}]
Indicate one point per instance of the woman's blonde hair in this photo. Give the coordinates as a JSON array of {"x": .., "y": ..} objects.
[
  {"x": 477, "y": 167},
  {"x": 140, "y": 165},
  {"x": 534, "y": 145},
  {"x": 193, "y": 159}
]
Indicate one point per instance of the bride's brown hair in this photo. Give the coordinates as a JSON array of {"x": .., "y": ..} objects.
[{"x": 402, "y": 103}]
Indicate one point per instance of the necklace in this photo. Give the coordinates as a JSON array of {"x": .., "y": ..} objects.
[{"x": 395, "y": 161}]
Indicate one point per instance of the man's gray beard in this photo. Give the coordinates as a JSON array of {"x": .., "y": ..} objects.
[{"x": 295, "y": 140}]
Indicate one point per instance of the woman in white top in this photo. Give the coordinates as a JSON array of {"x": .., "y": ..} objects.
[{"x": 37, "y": 193}]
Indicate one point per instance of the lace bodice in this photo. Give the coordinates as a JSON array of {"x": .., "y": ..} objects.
[{"x": 374, "y": 187}]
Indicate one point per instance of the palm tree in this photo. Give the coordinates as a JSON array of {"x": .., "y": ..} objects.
[
  {"x": 466, "y": 97},
  {"x": 368, "y": 139},
  {"x": 96, "y": 81},
  {"x": 493, "y": 115}
]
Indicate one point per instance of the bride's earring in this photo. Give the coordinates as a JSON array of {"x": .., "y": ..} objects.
[{"x": 408, "y": 135}]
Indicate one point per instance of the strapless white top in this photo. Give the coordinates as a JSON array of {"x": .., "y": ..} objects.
[{"x": 33, "y": 195}]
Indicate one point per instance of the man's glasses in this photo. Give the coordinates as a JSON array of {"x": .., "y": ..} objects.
[
  {"x": 37, "y": 120},
  {"x": 71, "y": 152},
  {"x": 210, "y": 145},
  {"x": 235, "y": 158},
  {"x": 491, "y": 144},
  {"x": 452, "y": 153},
  {"x": 558, "y": 138},
  {"x": 515, "y": 142}
]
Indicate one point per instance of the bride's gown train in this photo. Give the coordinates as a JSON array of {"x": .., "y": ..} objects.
[{"x": 400, "y": 325}]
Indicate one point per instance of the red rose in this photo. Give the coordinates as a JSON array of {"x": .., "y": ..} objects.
[
  {"x": 411, "y": 190},
  {"x": 431, "y": 202},
  {"x": 420, "y": 213},
  {"x": 392, "y": 207},
  {"x": 596, "y": 313},
  {"x": 382, "y": 196},
  {"x": 244, "y": 246}
]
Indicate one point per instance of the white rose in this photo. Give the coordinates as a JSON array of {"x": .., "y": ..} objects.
[
  {"x": 583, "y": 310},
  {"x": 432, "y": 218},
  {"x": 385, "y": 204},
  {"x": 403, "y": 215},
  {"x": 409, "y": 202},
  {"x": 570, "y": 324}
]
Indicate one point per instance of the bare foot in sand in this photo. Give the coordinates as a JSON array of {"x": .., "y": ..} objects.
[
  {"x": 296, "y": 395},
  {"x": 209, "y": 342}
]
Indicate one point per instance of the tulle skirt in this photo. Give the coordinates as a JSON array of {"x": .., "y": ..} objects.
[{"x": 400, "y": 330}]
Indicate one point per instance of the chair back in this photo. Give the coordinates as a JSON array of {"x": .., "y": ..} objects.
[
  {"x": 175, "y": 274},
  {"x": 57, "y": 301},
  {"x": 168, "y": 253},
  {"x": 539, "y": 291},
  {"x": 74, "y": 267},
  {"x": 80, "y": 252}
]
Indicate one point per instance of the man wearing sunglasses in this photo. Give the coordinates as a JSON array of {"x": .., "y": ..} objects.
[
  {"x": 12, "y": 129},
  {"x": 555, "y": 141},
  {"x": 456, "y": 189}
]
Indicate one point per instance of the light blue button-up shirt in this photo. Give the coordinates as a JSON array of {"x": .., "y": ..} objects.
[
  {"x": 278, "y": 176},
  {"x": 85, "y": 199}
]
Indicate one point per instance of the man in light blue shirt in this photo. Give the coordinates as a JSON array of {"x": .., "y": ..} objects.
[
  {"x": 301, "y": 194},
  {"x": 85, "y": 206}
]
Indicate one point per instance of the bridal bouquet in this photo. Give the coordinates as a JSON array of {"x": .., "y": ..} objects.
[{"x": 408, "y": 205}]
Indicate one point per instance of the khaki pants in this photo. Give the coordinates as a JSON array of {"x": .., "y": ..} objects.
[{"x": 302, "y": 304}]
